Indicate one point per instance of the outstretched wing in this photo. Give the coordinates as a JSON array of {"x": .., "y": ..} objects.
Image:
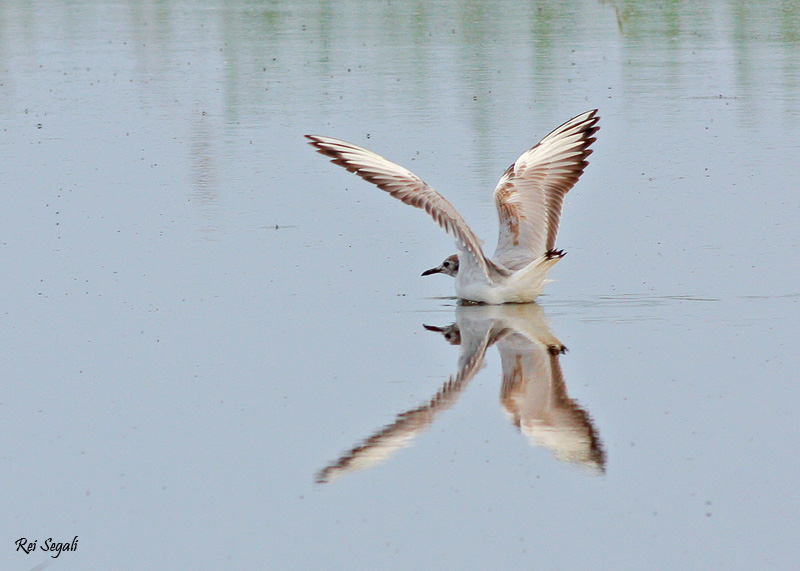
[
  {"x": 409, "y": 424},
  {"x": 531, "y": 192},
  {"x": 407, "y": 187}
]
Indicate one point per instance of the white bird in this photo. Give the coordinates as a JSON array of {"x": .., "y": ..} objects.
[{"x": 528, "y": 197}]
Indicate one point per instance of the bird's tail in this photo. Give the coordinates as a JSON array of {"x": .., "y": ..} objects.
[{"x": 533, "y": 276}]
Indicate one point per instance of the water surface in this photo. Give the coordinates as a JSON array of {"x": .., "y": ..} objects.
[{"x": 200, "y": 314}]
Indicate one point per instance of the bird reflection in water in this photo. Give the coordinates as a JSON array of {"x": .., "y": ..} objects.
[{"x": 533, "y": 394}]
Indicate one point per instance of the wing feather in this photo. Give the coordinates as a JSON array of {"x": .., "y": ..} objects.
[
  {"x": 407, "y": 187},
  {"x": 530, "y": 194}
]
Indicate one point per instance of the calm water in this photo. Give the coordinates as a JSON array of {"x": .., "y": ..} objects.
[{"x": 201, "y": 317}]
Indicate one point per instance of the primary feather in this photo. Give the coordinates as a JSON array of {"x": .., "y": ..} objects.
[{"x": 531, "y": 192}]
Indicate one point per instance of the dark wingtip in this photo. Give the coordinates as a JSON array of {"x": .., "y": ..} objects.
[
  {"x": 313, "y": 140},
  {"x": 550, "y": 254}
]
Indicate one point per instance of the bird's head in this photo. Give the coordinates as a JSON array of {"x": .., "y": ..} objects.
[{"x": 449, "y": 267}]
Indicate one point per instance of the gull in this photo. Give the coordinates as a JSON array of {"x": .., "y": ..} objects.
[{"x": 529, "y": 197}]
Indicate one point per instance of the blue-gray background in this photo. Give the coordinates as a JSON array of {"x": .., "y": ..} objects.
[{"x": 197, "y": 312}]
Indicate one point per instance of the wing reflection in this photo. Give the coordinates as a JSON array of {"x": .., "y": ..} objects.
[{"x": 533, "y": 395}]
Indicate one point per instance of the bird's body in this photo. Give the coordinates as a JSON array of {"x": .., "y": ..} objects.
[
  {"x": 521, "y": 286},
  {"x": 528, "y": 197}
]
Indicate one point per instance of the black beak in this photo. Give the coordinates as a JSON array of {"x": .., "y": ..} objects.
[
  {"x": 437, "y": 270},
  {"x": 434, "y": 328}
]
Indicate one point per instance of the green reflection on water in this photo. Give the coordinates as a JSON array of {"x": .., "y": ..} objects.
[{"x": 424, "y": 59}]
